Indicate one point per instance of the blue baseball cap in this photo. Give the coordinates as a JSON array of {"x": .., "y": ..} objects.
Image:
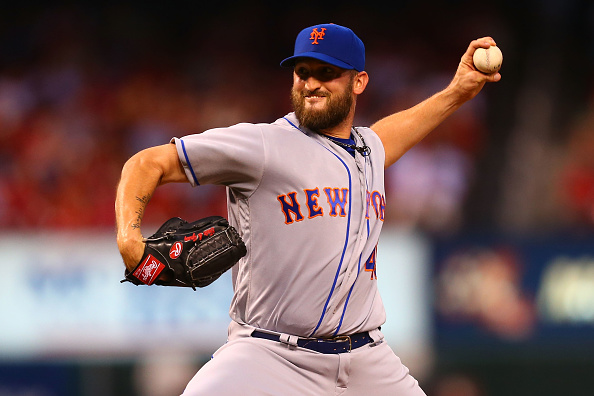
[{"x": 330, "y": 43}]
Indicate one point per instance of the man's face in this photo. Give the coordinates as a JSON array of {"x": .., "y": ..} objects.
[{"x": 322, "y": 94}]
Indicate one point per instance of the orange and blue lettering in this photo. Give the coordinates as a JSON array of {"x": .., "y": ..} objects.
[
  {"x": 291, "y": 209},
  {"x": 335, "y": 199},
  {"x": 370, "y": 264},
  {"x": 379, "y": 204},
  {"x": 312, "y": 203}
]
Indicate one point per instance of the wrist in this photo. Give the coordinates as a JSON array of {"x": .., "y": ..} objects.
[{"x": 131, "y": 248}]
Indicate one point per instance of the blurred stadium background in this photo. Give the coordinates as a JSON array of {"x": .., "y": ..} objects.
[{"x": 487, "y": 262}]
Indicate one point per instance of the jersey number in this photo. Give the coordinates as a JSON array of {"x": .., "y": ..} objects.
[{"x": 370, "y": 264}]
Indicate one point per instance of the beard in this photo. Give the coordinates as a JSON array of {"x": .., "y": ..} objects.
[{"x": 335, "y": 111}]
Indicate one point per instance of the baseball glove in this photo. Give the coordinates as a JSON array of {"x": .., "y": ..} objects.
[{"x": 188, "y": 254}]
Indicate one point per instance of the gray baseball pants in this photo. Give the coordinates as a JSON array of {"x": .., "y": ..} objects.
[{"x": 247, "y": 366}]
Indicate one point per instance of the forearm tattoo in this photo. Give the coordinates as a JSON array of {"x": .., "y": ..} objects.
[{"x": 140, "y": 211}]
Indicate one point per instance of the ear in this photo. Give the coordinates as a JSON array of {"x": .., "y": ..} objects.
[{"x": 361, "y": 80}]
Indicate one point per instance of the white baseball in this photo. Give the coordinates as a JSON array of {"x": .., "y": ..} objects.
[{"x": 488, "y": 60}]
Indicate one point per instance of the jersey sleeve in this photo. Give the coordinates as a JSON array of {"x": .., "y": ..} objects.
[{"x": 232, "y": 157}]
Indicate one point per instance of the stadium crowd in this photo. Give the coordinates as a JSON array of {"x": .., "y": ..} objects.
[{"x": 78, "y": 98}]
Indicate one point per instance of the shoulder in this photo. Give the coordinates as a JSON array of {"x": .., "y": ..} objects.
[
  {"x": 371, "y": 138},
  {"x": 282, "y": 123},
  {"x": 367, "y": 132}
]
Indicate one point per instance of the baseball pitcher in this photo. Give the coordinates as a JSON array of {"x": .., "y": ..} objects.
[{"x": 306, "y": 204}]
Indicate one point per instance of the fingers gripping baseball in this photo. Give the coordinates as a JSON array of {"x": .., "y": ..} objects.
[
  {"x": 482, "y": 45},
  {"x": 468, "y": 80}
]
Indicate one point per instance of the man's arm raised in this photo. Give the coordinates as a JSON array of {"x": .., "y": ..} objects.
[{"x": 399, "y": 132}]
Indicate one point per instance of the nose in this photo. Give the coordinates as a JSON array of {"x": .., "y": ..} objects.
[{"x": 312, "y": 83}]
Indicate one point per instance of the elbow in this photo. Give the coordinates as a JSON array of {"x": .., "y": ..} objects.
[
  {"x": 160, "y": 164},
  {"x": 143, "y": 164}
]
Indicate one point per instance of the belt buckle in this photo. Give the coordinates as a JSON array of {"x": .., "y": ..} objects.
[{"x": 344, "y": 338}]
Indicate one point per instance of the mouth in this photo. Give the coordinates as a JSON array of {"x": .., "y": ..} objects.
[
  {"x": 314, "y": 98},
  {"x": 314, "y": 95}
]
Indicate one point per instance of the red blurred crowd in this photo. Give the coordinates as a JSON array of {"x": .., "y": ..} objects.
[{"x": 69, "y": 121}]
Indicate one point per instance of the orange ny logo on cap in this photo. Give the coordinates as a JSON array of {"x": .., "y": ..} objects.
[{"x": 315, "y": 35}]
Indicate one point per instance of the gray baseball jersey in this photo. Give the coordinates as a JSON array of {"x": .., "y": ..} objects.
[{"x": 310, "y": 214}]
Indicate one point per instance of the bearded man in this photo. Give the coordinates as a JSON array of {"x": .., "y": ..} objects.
[{"x": 306, "y": 194}]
